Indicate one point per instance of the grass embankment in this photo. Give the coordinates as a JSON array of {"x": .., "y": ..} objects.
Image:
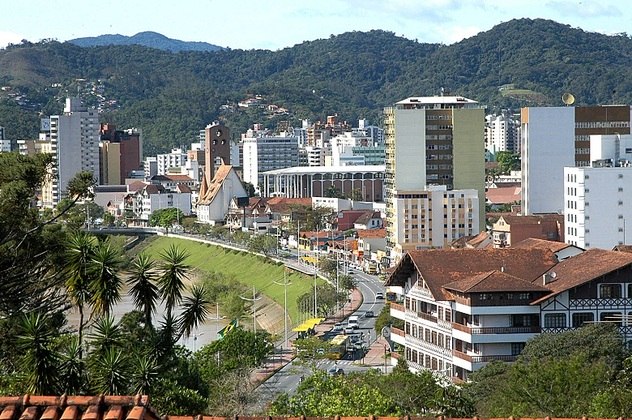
[{"x": 246, "y": 268}]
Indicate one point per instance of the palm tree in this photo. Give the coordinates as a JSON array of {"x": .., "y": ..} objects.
[
  {"x": 106, "y": 281},
  {"x": 174, "y": 274},
  {"x": 41, "y": 360},
  {"x": 143, "y": 289},
  {"x": 79, "y": 253},
  {"x": 110, "y": 373},
  {"x": 145, "y": 372},
  {"x": 72, "y": 369},
  {"x": 195, "y": 310},
  {"x": 106, "y": 335}
]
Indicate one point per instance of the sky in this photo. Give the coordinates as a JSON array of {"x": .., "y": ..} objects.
[{"x": 277, "y": 24}]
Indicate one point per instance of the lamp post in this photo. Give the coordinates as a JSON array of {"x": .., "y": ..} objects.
[
  {"x": 285, "y": 284},
  {"x": 254, "y": 308}
]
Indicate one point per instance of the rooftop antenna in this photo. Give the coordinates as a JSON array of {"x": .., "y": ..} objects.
[{"x": 568, "y": 98}]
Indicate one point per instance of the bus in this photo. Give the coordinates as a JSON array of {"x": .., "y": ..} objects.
[{"x": 338, "y": 346}]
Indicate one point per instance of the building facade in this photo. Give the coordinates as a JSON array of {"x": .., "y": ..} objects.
[
  {"x": 502, "y": 133},
  {"x": 446, "y": 135},
  {"x": 262, "y": 153},
  {"x": 120, "y": 154},
  {"x": 363, "y": 183},
  {"x": 74, "y": 141},
  {"x": 465, "y": 308},
  {"x": 553, "y": 138}
]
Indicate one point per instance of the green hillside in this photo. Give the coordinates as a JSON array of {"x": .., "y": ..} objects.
[
  {"x": 245, "y": 268},
  {"x": 171, "y": 96}
]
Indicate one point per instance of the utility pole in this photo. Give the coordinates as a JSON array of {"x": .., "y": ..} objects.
[
  {"x": 254, "y": 308},
  {"x": 285, "y": 284},
  {"x": 316, "y": 276}
]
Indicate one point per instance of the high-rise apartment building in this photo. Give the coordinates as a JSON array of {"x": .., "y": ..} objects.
[
  {"x": 120, "y": 153},
  {"x": 265, "y": 152},
  {"x": 502, "y": 133},
  {"x": 74, "y": 141},
  {"x": 597, "y": 208},
  {"x": 433, "y": 141},
  {"x": 553, "y": 138}
]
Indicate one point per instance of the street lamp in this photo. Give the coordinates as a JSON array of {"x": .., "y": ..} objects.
[
  {"x": 254, "y": 308},
  {"x": 285, "y": 284}
]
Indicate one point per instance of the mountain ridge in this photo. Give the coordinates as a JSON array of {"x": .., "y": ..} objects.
[
  {"x": 147, "y": 39},
  {"x": 524, "y": 62}
]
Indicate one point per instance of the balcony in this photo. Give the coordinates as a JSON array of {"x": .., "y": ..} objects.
[
  {"x": 397, "y": 307},
  {"x": 397, "y": 331},
  {"x": 484, "y": 359},
  {"x": 496, "y": 330}
]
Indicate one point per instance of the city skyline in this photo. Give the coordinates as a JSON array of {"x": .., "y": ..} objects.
[{"x": 245, "y": 24}]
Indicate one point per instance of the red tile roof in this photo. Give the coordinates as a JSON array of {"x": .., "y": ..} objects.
[
  {"x": 63, "y": 407},
  {"x": 585, "y": 267},
  {"x": 503, "y": 195},
  {"x": 216, "y": 184},
  {"x": 284, "y": 205},
  {"x": 535, "y": 243},
  {"x": 493, "y": 281},
  {"x": 371, "y": 233},
  {"x": 439, "y": 267}
]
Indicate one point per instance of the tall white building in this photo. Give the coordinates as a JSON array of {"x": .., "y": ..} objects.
[
  {"x": 74, "y": 140},
  {"x": 177, "y": 158},
  {"x": 355, "y": 148},
  {"x": 597, "y": 199},
  {"x": 553, "y": 138},
  {"x": 263, "y": 152},
  {"x": 502, "y": 133}
]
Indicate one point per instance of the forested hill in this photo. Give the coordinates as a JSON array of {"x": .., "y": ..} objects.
[{"x": 173, "y": 95}]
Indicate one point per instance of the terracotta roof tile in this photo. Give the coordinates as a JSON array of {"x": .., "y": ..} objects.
[
  {"x": 585, "y": 267},
  {"x": 284, "y": 205},
  {"x": 108, "y": 407},
  {"x": 439, "y": 267},
  {"x": 535, "y": 243},
  {"x": 371, "y": 233},
  {"x": 503, "y": 195},
  {"x": 493, "y": 281}
]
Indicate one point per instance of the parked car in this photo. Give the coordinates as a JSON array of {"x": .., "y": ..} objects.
[
  {"x": 379, "y": 295},
  {"x": 338, "y": 327}
]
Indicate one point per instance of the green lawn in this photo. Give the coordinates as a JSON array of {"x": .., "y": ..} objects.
[{"x": 248, "y": 269}]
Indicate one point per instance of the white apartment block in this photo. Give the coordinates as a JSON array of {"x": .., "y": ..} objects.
[
  {"x": 177, "y": 158},
  {"x": 465, "y": 308},
  {"x": 263, "y": 152},
  {"x": 502, "y": 133},
  {"x": 558, "y": 137},
  {"x": 355, "y": 148},
  {"x": 74, "y": 141},
  {"x": 312, "y": 156},
  {"x": 432, "y": 218},
  {"x": 597, "y": 199}
]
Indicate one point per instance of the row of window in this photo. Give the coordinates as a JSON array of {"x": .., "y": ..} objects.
[
  {"x": 602, "y": 124},
  {"x": 579, "y": 319},
  {"x": 428, "y": 335},
  {"x": 428, "y": 361}
]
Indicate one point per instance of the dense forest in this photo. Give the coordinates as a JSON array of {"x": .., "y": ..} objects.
[{"x": 171, "y": 96}]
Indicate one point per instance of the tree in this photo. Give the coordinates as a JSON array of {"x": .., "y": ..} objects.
[
  {"x": 142, "y": 283},
  {"x": 166, "y": 218},
  {"x": 195, "y": 309},
  {"x": 40, "y": 357},
  {"x": 250, "y": 189},
  {"x": 80, "y": 214},
  {"x": 105, "y": 282},
  {"x": 508, "y": 162},
  {"x": 175, "y": 272},
  {"x": 264, "y": 244}
]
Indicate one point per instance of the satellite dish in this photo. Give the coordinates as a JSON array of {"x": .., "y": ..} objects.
[{"x": 568, "y": 98}]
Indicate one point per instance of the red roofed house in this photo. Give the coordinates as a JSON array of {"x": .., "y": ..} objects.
[
  {"x": 510, "y": 230},
  {"x": 463, "y": 308}
]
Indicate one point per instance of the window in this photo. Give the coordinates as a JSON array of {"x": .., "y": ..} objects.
[
  {"x": 485, "y": 296},
  {"x": 554, "y": 320},
  {"x": 609, "y": 291},
  {"x": 516, "y": 348},
  {"x": 581, "y": 318},
  {"x": 611, "y": 317}
]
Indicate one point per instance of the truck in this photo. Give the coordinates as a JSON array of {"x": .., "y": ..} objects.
[{"x": 353, "y": 322}]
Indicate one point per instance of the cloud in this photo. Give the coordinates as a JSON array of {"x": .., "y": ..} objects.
[
  {"x": 584, "y": 8},
  {"x": 7, "y": 38}
]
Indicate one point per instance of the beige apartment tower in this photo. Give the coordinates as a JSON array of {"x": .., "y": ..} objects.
[{"x": 434, "y": 141}]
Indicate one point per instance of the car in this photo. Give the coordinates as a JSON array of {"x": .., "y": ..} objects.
[
  {"x": 368, "y": 314},
  {"x": 337, "y": 328},
  {"x": 349, "y": 330},
  {"x": 379, "y": 295},
  {"x": 335, "y": 370}
]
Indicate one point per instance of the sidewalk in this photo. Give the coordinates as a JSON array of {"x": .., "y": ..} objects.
[{"x": 283, "y": 356}]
